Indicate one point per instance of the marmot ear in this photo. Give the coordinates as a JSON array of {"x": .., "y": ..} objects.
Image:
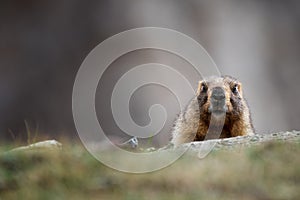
[
  {"x": 240, "y": 88},
  {"x": 199, "y": 88}
]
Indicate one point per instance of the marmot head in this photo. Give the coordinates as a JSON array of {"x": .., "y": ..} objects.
[{"x": 220, "y": 95}]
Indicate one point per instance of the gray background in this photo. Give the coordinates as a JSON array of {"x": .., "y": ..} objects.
[{"x": 42, "y": 45}]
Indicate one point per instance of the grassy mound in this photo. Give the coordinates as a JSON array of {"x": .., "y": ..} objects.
[{"x": 268, "y": 171}]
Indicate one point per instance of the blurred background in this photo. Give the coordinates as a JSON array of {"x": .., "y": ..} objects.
[{"x": 43, "y": 43}]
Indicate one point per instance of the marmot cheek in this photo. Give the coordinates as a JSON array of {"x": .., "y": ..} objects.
[
  {"x": 229, "y": 108},
  {"x": 205, "y": 107}
]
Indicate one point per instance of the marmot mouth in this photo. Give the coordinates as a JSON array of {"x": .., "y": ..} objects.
[
  {"x": 217, "y": 108},
  {"x": 218, "y": 112}
]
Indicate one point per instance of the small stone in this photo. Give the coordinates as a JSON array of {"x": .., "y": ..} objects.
[
  {"x": 254, "y": 139},
  {"x": 151, "y": 149}
]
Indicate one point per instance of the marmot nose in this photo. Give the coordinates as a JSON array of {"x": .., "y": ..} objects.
[{"x": 218, "y": 93}]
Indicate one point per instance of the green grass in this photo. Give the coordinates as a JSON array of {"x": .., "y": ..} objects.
[{"x": 269, "y": 171}]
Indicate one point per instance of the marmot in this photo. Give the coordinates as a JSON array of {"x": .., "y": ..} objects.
[{"x": 219, "y": 104}]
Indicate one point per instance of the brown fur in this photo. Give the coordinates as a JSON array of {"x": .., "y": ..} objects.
[{"x": 194, "y": 122}]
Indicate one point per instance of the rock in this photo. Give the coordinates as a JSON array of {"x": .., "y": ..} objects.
[
  {"x": 47, "y": 144},
  {"x": 235, "y": 143}
]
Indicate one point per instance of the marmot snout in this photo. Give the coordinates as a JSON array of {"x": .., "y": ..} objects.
[{"x": 216, "y": 98}]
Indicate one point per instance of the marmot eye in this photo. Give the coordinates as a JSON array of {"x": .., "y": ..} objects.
[{"x": 235, "y": 89}]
